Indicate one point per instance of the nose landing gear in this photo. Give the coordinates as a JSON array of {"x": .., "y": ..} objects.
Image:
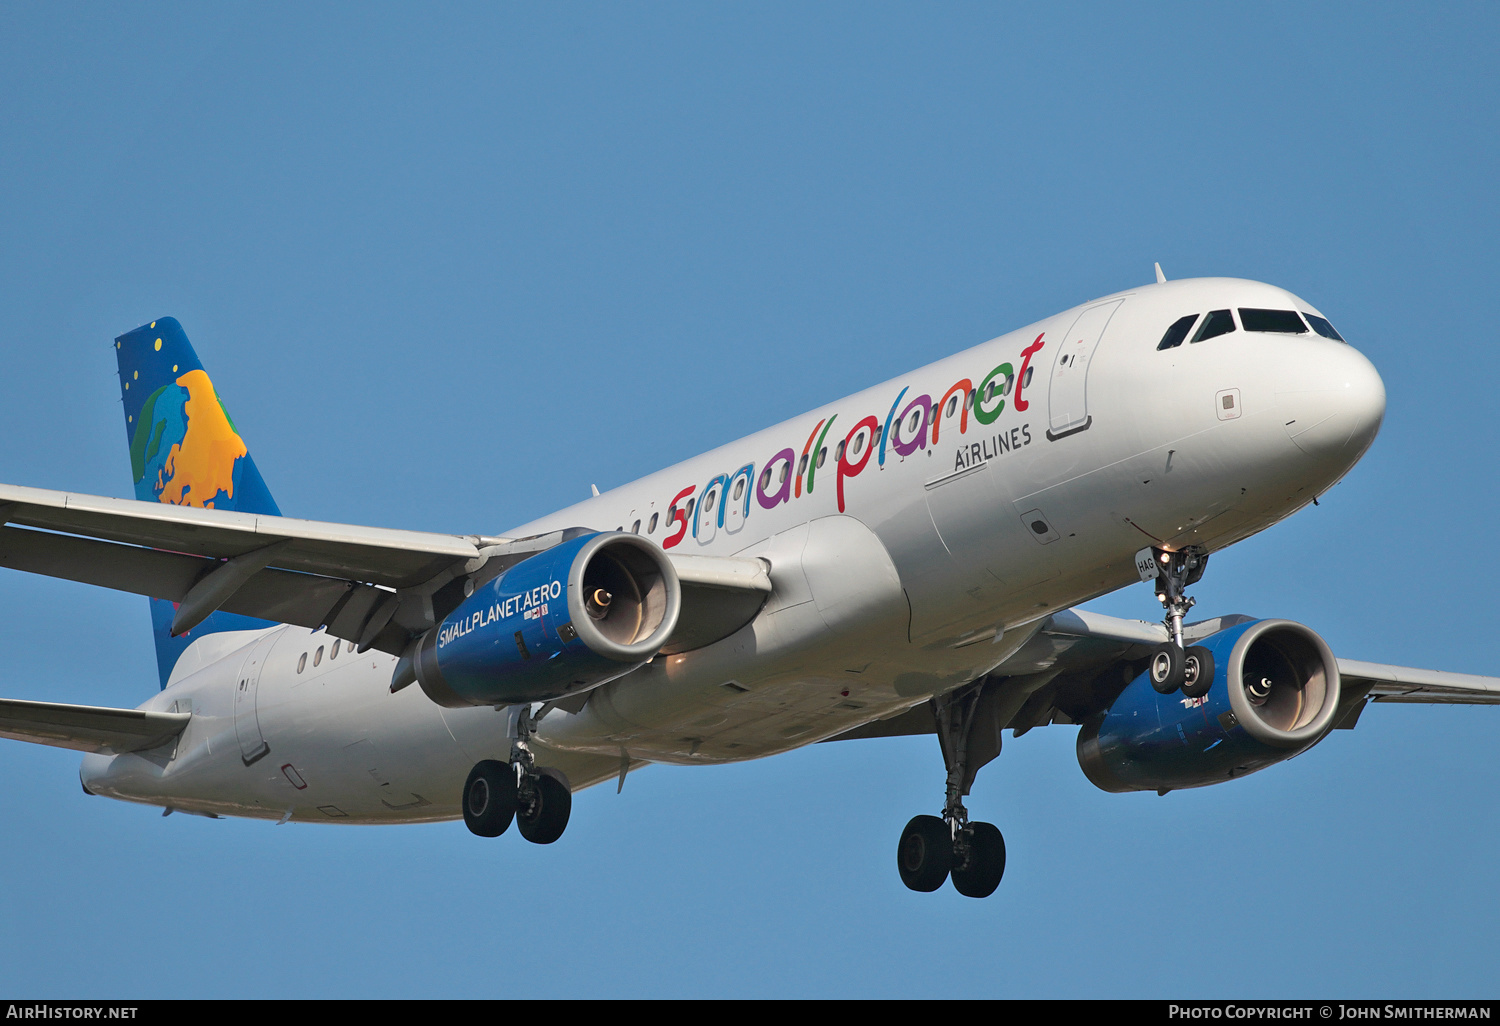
[
  {"x": 934, "y": 849},
  {"x": 1174, "y": 665},
  {"x": 539, "y": 800}
]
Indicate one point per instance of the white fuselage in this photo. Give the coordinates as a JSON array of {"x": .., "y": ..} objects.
[{"x": 904, "y": 563}]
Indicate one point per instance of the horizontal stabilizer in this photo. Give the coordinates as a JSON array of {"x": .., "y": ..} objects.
[{"x": 88, "y": 728}]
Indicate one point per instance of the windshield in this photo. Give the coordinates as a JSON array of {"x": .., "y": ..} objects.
[{"x": 1282, "y": 322}]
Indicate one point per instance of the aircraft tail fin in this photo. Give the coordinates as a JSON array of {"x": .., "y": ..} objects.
[{"x": 186, "y": 451}]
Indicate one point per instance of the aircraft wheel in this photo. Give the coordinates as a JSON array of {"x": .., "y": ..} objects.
[
  {"x": 547, "y": 816},
  {"x": 1198, "y": 672},
  {"x": 1167, "y": 668},
  {"x": 490, "y": 798},
  {"x": 981, "y": 872},
  {"x": 925, "y": 853}
]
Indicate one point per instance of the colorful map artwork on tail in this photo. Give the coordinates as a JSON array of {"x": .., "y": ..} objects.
[{"x": 185, "y": 449}]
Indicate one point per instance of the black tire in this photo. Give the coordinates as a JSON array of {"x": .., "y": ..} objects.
[
  {"x": 489, "y": 799},
  {"x": 546, "y": 815},
  {"x": 925, "y": 854},
  {"x": 981, "y": 872},
  {"x": 1166, "y": 668},
  {"x": 1198, "y": 672}
]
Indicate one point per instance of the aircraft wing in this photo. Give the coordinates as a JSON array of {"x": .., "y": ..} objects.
[
  {"x": 1411, "y": 685},
  {"x": 396, "y": 559},
  {"x": 1075, "y": 655},
  {"x": 369, "y": 585},
  {"x": 88, "y": 728},
  {"x": 1376, "y": 681}
]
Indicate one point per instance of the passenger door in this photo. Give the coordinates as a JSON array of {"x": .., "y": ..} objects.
[
  {"x": 1067, "y": 395},
  {"x": 253, "y": 746}
]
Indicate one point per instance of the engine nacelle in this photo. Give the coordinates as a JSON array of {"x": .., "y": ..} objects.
[
  {"x": 1275, "y": 693},
  {"x": 563, "y": 621}
]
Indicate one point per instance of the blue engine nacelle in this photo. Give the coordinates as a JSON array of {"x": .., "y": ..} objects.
[
  {"x": 1275, "y": 693},
  {"x": 563, "y": 621}
]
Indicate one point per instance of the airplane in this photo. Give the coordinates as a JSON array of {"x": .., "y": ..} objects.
[{"x": 907, "y": 560}]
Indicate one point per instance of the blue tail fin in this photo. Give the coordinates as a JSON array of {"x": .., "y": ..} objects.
[{"x": 184, "y": 450}]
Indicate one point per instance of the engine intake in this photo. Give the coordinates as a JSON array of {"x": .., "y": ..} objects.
[
  {"x": 1275, "y": 693},
  {"x": 1288, "y": 684},
  {"x": 561, "y": 622}
]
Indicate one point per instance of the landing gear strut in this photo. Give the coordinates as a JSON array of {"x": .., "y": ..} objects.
[
  {"x": 935, "y": 849},
  {"x": 1174, "y": 665},
  {"x": 539, "y": 800}
]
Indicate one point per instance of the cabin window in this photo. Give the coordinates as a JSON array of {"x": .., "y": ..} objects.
[
  {"x": 785, "y": 465},
  {"x": 916, "y": 418},
  {"x": 708, "y": 500},
  {"x": 822, "y": 455},
  {"x": 739, "y": 488},
  {"x": 333, "y": 653},
  {"x": 318, "y": 656},
  {"x": 302, "y": 663},
  {"x": 690, "y": 505},
  {"x": 1029, "y": 372},
  {"x": 952, "y": 406},
  {"x": 802, "y": 465},
  {"x": 635, "y": 528},
  {"x": 1218, "y": 322},
  {"x": 859, "y": 443},
  {"x": 1279, "y": 322},
  {"x": 1322, "y": 327},
  {"x": 1177, "y": 333},
  {"x": 651, "y": 527}
]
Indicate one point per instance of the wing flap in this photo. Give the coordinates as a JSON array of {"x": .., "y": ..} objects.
[
  {"x": 88, "y": 728},
  {"x": 281, "y": 596},
  {"x": 393, "y": 558}
]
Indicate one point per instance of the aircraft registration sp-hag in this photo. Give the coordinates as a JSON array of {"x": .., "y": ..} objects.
[{"x": 902, "y": 561}]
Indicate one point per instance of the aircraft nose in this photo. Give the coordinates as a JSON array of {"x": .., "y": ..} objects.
[{"x": 1331, "y": 401}]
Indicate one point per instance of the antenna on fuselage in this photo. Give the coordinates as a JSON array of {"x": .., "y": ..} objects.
[{"x": 1159, "y": 276}]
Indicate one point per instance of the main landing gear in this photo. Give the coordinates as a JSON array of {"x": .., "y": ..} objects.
[
  {"x": 1174, "y": 665},
  {"x": 497, "y": 792},
  {"x": 934, "y": 849}
]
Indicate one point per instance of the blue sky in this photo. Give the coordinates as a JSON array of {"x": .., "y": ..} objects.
[{"x": 449, "y": 266}]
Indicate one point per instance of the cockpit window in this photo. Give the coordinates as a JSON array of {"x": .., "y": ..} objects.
[
  {"x": 1282, "y": 322},
  {"x": 1177, "y": 333},
  {"x": 1322, "y": 327},
  {"x": 1218, "y": 322}
]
